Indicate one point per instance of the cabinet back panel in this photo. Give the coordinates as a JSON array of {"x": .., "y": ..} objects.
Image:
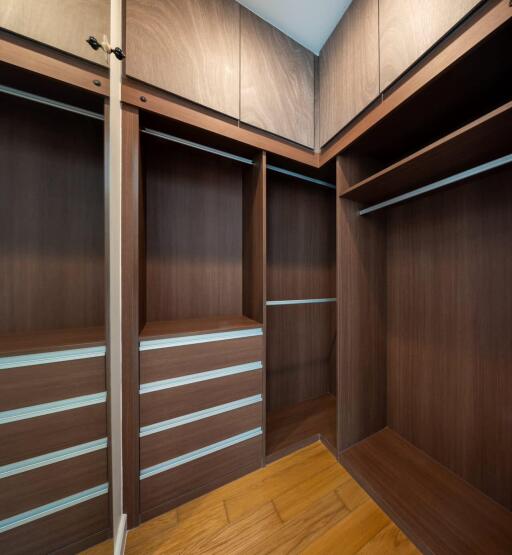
[
  {"x": 449, "y": 321},
  {"x": 193, "y": 233},
  {"x": 301, "y": 240},
  {"x": 51, "y": 218},
  {"x": 301, "y": 353}
]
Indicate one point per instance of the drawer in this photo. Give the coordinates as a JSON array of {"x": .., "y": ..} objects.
[
  {"x": 182, "y": 360},
  {"x": 160, "y": 444},
  {"x": 191, "y": 479},
  {"x": 172, "y": 402},
  {"x": 33, "y": 488},
  {"x": 43, "y": 383}
]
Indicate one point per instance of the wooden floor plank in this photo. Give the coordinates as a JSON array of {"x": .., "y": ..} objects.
[
  {"x": 234, "y": 538},
  {"x": 296, "y": 534},
  {"x": 389, "y": 541},
  {"x": 352, "y": 533},
  {"x": 296, "y": 500},
  {"x": 352, "y": 494},
  {"x": 269, "y": 486}
]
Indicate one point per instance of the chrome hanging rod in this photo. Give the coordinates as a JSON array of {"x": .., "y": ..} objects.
[
  {"x": 224, "y": 154},
  {"x": 49, "y": 102},
  {"x": 441, "y": 183},
  {"x": 301, "y": 301}
]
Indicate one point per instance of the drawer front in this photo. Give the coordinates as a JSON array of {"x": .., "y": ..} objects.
[
  {"x": 169, "y": 443},
  {"x": 33, "y": 488},
  {"x": 44, "y": 383},
  {"x": 161, "y": 364},
  {"x": 173, "y": 402},
  {"x": 197, "y": 476}
]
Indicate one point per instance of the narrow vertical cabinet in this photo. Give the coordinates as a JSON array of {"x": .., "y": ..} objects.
[
  {"x": 54, "y": 476},
  {"x": 300, "y": 314},
  {"x": 200, "y": 326}
]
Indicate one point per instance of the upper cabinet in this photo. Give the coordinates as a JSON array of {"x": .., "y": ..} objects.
[
  {"x": 277, "y": 82},
  {"x": 349, "y": 67},
  {"x": 408, "y": 28},
  {"x": 63, "y": 24},
  {"x": 188, "y": 47}
]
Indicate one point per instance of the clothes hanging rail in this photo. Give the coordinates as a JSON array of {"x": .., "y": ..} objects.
[
  {"x": 50, "y": 102},
  {"x": 242, "y": 159},
  {"x": 482, "y": 168},
  {"x": 301, "y": 301}
]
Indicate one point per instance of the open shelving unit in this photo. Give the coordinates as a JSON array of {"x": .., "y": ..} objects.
[{"x": 424, "y": 267}]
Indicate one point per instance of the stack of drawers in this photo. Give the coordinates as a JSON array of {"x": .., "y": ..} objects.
[
  {"x": 53, "y": 456},
  {"x": 200, "y": 414}
]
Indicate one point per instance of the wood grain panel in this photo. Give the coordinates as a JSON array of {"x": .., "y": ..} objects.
[
  {"x": 32, "y": 437},
  {"x": 301, "y": 340},
  {"x": 63, "y": 24},
  {"x": 38, "y": 487},
  {"x": 201, "y": 256},
  {"x": 34, "y": 385},
  {"x": 162, "y": 446},
  {"x": 53, "y": 181},
  {"x": 188, "y": 47},
  {"x": 255, "y": 238},
  {"x": 407, "y": 29},
  {"x": 449, "y": 316},
  {"x": 349, "y": 68},
  {"x": 277, "y": 79},
  {"x": 160, "y": 364},
  {"x": 361, "y": 320},
  {"x": 173, "y": 402},
  {"x": 131, "y": 265},
  {"x": 57, "y": 531},
  {"x": 166, "y": 486},
  {"x": 437, "y": 510},
  {"x": 301, "y": 240},
  {"x": 43, "y": 341}
]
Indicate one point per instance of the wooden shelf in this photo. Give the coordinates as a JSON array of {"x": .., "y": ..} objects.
[
  {"x": 51, "y": 340},
  {"x": 481, "y": 141},
  {"x": 437, "y": 510},
  {"x": 299, "y": 424},
  {"x": 194, "y": 326}
]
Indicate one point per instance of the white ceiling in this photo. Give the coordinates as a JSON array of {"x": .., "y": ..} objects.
[{"x": 309, "y": 22}]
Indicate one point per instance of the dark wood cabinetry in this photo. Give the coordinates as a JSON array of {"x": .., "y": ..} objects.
[
  {"x": 349, "y": 68},
  {"x": 62, "y": 24},
  {"x": 188, "y": 47},
  {"x": 277, "y": 81}
]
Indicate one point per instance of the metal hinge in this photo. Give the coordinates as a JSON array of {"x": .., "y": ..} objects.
[{"x": 105, "y": 46}]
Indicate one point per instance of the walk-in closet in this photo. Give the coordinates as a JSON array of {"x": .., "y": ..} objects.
[{"x": 255, "y": 277}]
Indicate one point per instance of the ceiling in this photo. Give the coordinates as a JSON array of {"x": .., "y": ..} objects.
[{"x": 309, "y": 22}]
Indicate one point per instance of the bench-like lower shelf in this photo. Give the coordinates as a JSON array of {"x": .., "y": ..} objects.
[{"x": 438, "y": 511}]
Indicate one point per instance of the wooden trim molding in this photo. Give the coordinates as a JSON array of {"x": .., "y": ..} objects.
[
  {"x": 43, "y": 60},
  {"x": 166, "y": 105}
]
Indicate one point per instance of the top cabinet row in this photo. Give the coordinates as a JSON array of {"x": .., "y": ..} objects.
[{"x": 220, "y": 55}]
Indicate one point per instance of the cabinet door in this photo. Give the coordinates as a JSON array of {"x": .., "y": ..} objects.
[
  {"x": 187, "y": 47},
  {"x": 277, "y": 82},
  {"x": 63, "y": 24},
  {"x": 349, "y": 67},
  {"x": 408, "y": 28}
]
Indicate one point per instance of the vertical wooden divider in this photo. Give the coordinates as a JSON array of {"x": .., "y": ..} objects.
[
  {"x": 361, "y": 292},
  {"x": 130, "y": 310},
  {"x": 255, "y": 255}
]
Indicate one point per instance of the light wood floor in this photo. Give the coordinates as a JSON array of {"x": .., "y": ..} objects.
[{"x": 303, "y": 503}]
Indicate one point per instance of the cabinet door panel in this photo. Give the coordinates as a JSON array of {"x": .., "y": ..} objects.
[
  {"x": 277, "y": 81},
  {"x": 408, "y": 28},
  {"x": 63, "y": 24},
  {"x": 349, "y": 68},
  {"x": 188, "y": 47}
]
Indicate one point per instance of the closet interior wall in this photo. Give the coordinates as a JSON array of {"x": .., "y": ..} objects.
[
  {"x": 424, "y": 309},
  {"x": 54, "y": 467}
]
